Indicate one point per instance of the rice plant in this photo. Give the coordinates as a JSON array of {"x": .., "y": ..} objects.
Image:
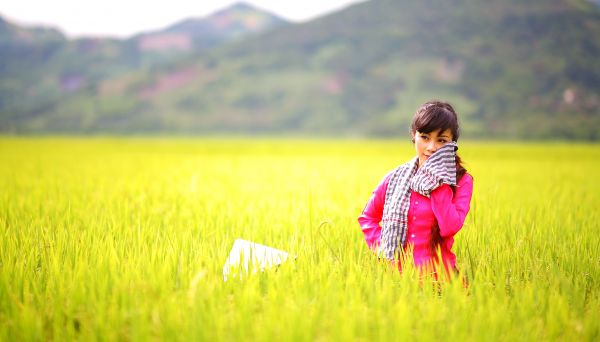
[{"x": 125, "y": 239}]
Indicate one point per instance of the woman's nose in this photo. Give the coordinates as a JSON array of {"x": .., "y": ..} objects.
[{"x": 431, "y": 146}]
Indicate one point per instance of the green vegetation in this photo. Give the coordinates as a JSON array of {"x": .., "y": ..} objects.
[
  {"x": 349, "y": 73},
  {"x": 110, "y": 238},
  {"x": 42, "y": 70}
]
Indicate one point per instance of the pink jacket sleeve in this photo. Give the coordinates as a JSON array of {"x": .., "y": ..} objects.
[
  {"x": 371, "y": 215},
  {"x": 450, "y": 211}
]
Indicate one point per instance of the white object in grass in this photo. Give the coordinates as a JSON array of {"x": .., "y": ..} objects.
[{"x": 247, "y": 256}]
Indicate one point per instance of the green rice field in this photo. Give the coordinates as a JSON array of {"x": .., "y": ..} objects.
[{"x": 125, "y": 239}]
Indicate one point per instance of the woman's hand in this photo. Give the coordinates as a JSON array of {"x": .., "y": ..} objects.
[{"x": 439, "y": 169}]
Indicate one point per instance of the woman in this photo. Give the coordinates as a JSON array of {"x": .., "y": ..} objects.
[{"x": 423, "y": 203}]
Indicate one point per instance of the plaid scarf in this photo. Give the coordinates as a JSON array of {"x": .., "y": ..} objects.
[{"x": 439, "y": 168}]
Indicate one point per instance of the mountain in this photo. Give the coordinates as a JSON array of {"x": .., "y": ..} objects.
[
  {"x": 41, "y": 70},
  {"x": 234, "y": 22},
  {"x": 513, "y": 69},
  {"x": 195, "y": 35}
]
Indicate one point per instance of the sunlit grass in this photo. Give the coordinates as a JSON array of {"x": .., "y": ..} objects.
[{"x": 126, "y": 238}]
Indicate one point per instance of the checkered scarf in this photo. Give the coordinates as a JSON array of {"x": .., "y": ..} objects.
[{"x": 438, "y": 169}]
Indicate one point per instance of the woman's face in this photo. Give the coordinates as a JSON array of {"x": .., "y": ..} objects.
[{"x": 427, "y": 143}]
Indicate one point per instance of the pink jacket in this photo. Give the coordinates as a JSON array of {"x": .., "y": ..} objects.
[{"x": 449, "y": 211}]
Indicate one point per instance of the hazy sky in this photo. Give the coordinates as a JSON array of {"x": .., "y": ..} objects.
[{"x": 125, "y": 17}]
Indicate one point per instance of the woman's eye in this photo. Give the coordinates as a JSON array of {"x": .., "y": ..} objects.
[
  {"x": 424, "y": 137},
  {"x": 443, "y": 141}
]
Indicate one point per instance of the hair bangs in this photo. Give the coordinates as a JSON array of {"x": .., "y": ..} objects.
[
  {"x": 438, "y": 119},
  {"x": 434, "y": 116}
]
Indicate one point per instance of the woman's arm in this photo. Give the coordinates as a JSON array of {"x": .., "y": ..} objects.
[
  {"x": 450, "y": 211},
  {"x": 372, "y": 213}
]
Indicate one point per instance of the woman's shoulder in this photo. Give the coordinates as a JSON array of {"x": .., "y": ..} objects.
[
  {"x": 386, "y": 179},
  {"x": 465, "y": 179}
]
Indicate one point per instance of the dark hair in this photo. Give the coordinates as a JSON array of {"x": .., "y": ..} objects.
[
  {"x": 435, "y": 115},
  {"x": 428, "y": 118}
]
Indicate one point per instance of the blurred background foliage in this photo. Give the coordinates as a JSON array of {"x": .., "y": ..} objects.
[{"x": 513, "y": 69}]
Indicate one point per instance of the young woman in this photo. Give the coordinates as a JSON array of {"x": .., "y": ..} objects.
[{"x": 423, "y": 203}]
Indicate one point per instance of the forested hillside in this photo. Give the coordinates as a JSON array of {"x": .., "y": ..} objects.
[{"x": 513, "y": 69}]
